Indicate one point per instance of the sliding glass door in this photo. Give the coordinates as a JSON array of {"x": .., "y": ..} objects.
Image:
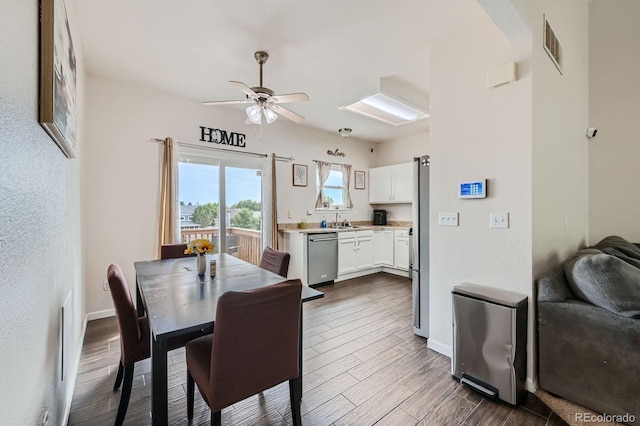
[{"x": 220, "y": 200}]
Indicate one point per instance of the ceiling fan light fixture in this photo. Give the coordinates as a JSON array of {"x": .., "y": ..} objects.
[
  {"x": 270, "y": 115},
  {"x": 253, "y": 114},
  {"x": 386, "y": 108},
  {"x": 345, "y": 132}
]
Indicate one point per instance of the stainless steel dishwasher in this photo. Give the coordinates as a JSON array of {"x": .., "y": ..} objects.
[{"x": 322, "y": 257}]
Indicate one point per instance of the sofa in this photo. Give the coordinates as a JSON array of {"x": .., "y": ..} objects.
[{"x": 588, "y": 318}]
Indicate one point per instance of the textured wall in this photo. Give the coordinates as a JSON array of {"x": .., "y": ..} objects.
[{"x": 39, "y": 235}]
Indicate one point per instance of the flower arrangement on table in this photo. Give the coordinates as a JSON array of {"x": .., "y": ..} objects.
[{"x": 199, "y": 247}]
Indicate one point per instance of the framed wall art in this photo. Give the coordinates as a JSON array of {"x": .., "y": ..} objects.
[
  {"x": 57, "y": 76},
  {"x": 299, "y": 175},
  {"x": 359, "y": 179}
]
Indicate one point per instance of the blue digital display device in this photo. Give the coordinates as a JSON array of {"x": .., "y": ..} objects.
[{"x": 473, "y": 189}]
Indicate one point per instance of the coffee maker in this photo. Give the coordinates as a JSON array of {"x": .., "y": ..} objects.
[{"x": 379, "y": 217}]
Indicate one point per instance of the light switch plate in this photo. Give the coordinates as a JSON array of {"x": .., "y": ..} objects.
[
  {"x": 448, "y": 219},
  {"x": 499, "y": 220}
]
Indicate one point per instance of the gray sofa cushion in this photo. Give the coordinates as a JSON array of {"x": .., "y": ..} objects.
[
  {"x": 605, "y": 281},
  {"x": 621, "y": 245}
]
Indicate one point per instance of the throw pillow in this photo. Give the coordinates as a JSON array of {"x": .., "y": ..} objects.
[
  {"x": 620, "y": 255},
  {"x": 605, "y": 281},
  {"x": 620, "y": 244}
]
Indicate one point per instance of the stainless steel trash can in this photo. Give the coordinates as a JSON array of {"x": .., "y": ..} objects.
[{"x": 490, "y": 341}]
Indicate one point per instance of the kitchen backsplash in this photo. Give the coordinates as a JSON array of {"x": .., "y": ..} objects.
[{"x": 313, "y": 225}]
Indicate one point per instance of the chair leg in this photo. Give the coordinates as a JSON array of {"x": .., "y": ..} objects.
[
  {"x": 126, "y": 393},
  {"x": 294, "y": 390},
  {"x": 116, "y": 385},
  {"x": 190, "y": 395},
  {"x": 216, "y": 418}
]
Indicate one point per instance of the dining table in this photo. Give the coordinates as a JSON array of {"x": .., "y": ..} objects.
[{"x": 178, "y": 303}]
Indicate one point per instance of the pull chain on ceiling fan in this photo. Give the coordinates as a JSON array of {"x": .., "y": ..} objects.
[{"x": 264, "y": 101}]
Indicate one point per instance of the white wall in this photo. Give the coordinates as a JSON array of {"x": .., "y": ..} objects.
[
  {"x": 477, "y": 132},
  {"x": 121, "y": 173},
  {"x": 41, "y": 256},
  {"x": 614, "y": 99}
]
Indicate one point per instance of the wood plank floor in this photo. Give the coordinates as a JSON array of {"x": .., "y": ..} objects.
[{"x": 362, "y": 366}]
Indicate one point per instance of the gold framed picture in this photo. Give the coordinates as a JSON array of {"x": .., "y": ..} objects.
[
  {"x": 57, "y": 76},
  {"x": 300, "y": 175},
  {"x": 359, "y": 179}
]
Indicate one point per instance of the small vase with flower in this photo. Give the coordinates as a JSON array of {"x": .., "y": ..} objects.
[{"x": 200, "y": 248}]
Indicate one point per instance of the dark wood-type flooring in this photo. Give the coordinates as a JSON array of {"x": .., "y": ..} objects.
[{"x": 362, "y": 366}]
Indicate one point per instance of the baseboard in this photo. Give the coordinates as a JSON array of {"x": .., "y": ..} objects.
[
  {"x": 73, "y": 374},
  {"x": 101, "y": 314},
  {"x": 399, "y": 272},
  {"x": 440, "y": 347}
]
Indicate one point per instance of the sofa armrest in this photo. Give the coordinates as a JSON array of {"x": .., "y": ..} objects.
[
  {"x": 553, "y": 286},
  {"x": 589, "y": 355}
]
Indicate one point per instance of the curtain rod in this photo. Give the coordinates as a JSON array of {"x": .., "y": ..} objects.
[
  {"x": 278, "y": 157},
  {"x": 330, "y": 162}
]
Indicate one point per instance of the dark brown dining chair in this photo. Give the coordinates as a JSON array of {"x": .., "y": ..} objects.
[
  {"x": 172, "y": 251},
  {"x": 275, "y": 261},
  {"x": 134, "y": 336},
  {"x": 255, "y": 346}
]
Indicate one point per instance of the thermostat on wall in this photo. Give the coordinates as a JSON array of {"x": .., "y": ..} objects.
[{"x": 473, "y": 189}]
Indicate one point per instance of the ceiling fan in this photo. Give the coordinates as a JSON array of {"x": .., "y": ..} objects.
[{"x": 264, "y": 100}]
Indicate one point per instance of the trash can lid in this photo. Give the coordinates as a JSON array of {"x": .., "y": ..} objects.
[{"x": 490, "y": 294}]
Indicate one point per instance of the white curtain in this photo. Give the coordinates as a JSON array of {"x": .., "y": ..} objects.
[
  {"x": 323, "y": 173},
  {"x": 168, "y": 229},
  {"x": 346, "y": 181}
]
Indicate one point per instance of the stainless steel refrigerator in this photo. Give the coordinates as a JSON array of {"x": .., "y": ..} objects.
[{"x": 420, "y": 246}]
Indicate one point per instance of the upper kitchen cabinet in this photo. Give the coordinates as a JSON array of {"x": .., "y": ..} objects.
[{"x": 391, "y": 184}]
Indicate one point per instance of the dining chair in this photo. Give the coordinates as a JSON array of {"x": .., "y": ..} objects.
[
  {"x": 255, "y": 346},
  {"x": 134, "y": 337},
  {"x": 275, "y": 261},
  {"x": 172, "y": 251}
]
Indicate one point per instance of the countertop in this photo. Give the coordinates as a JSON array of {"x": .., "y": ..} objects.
[{"x": 356, "y": 228}]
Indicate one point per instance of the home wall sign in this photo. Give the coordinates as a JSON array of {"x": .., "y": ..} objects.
[
  {"x": 207, "y": 134},
  {"x": 336, "y": 153}
]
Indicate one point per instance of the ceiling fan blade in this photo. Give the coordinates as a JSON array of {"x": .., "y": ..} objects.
[
  {"x": 291, "y": 97},
  {"x": 243, "y": 101},
  {"x": 287, "y": 113},
  {"x": 244, "y": 88}
]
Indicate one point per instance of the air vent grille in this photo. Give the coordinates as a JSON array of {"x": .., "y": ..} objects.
[{"x": 552, "y": 45}]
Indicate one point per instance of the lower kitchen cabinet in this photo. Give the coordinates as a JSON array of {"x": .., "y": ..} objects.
[
  {"x": 355, "y": 251},
  {"x": 383, "y": 246},
  {"x": 401, "y": 250}
]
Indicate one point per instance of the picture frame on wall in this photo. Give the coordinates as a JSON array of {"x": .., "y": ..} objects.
[
  {"x": 300, "y": 175},
  {"x": 359, "y": 179},
  {"x": 57, "y": 76}
]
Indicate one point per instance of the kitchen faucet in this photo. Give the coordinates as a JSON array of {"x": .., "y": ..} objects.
[{"x": 337, "y": 218}]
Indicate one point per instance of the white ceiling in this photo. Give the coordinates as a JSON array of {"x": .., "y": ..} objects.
[{"x": 334, "y": 50}]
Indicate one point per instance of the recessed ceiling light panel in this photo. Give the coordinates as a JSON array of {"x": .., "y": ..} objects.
[{"x": 387, "y": 109}]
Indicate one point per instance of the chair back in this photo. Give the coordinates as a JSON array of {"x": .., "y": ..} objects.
[
  {"x": 172, "y": 251},
  {"x": 255, "y": 342},
  {"x": 131, "y": 344},
  {"x": 275, "y": 261}
]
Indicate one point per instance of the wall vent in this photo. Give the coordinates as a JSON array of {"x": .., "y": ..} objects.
[{"x": 552, "y": 45}]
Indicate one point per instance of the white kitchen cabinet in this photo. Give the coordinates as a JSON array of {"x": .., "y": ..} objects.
[
  {"x": 383, "y": 244},
  {"x": 391, "y": 184},
  {"x": 346, "y": 253},
  {"x": 355, "y": 251},
  {"x": 401, "y": 250}
]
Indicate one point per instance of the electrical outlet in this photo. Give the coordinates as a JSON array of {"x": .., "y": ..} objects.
[
  {"x": 499, "y": 220},
  {"x": 448, "y": 219},
  {"x": 105, "y": 285},
  {"x": 290, "y": 214}
]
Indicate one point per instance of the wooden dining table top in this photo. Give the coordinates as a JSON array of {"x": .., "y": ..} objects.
[{"x": 177, "y": 300}]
